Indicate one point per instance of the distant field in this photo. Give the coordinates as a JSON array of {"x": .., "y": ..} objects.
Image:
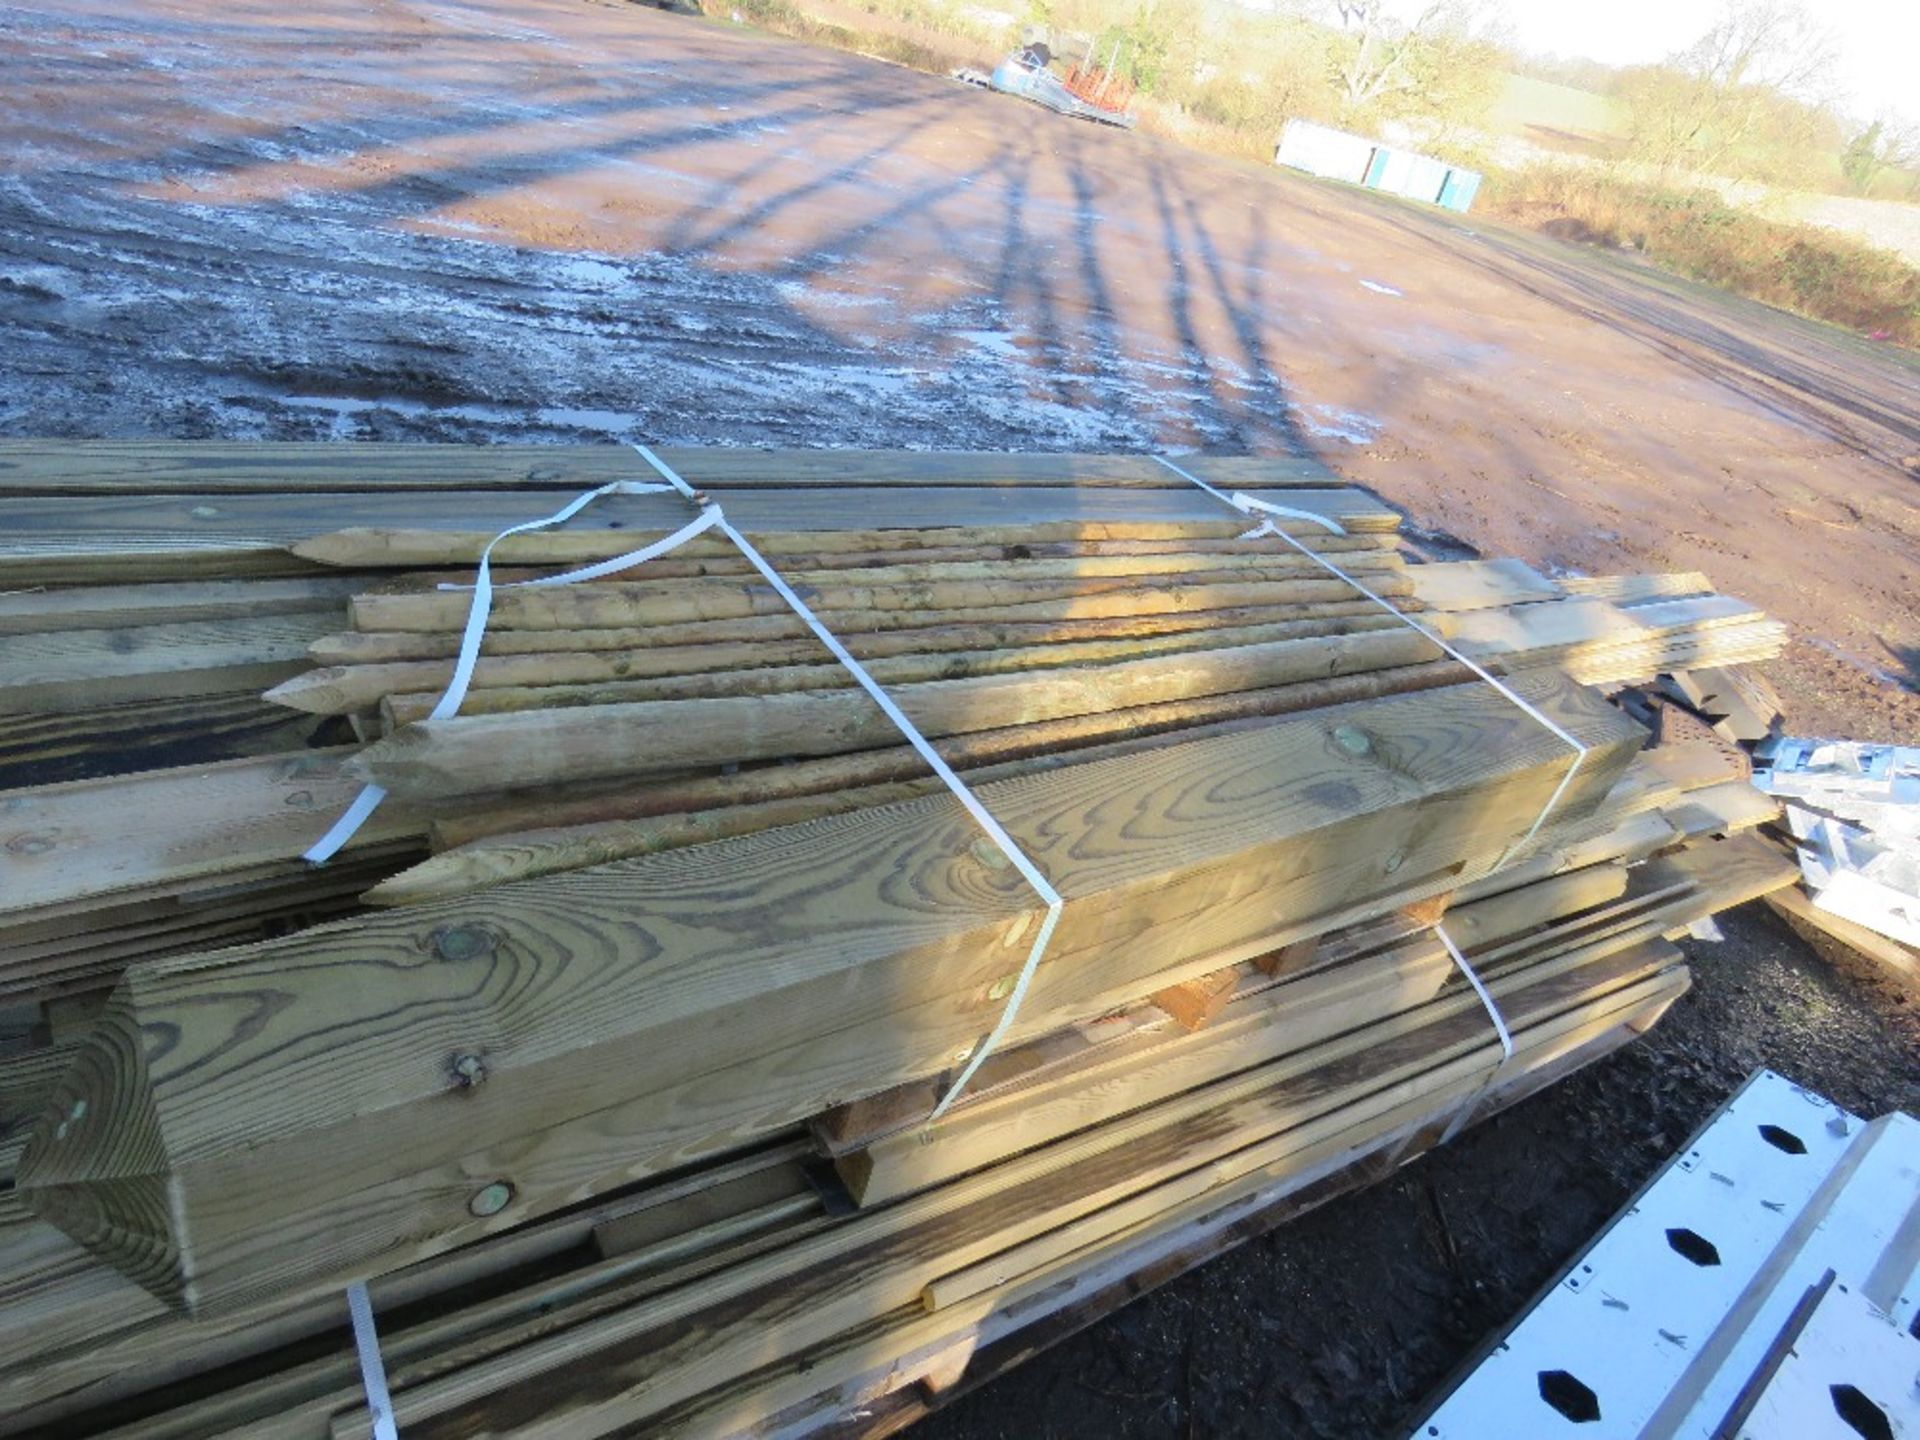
[
  {"x": 1890, "y": 224},
  {"x": 1555, "y": 117}
]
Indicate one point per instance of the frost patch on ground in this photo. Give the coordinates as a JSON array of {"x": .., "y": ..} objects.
[
  {"x": 136, "y": 316},
  {"x": 222, "y": 288},
  {"x": 1329, "y": 422}
]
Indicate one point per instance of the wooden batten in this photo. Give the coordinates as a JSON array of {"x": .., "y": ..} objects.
[{"x": 463, "y": 755}]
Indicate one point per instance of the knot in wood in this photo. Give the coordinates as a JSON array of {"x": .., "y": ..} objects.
[
  {"x": 989, "y": 854},
  {"x": 468, "y": 1070},
  {"x": 1352, "y": 739},
  {"x": 462, "y": 942},
  {"x": 491, "y": 1199}
]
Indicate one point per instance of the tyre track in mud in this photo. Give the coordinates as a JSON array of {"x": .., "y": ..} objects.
[{"x": 1771, "y": 376}]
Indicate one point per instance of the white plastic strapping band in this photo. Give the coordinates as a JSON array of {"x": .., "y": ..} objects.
[
  {"x": 370, "y": 796},
  {"x": 1017, "y": 857},
  {"x": 1472, "y": 1102},
  {"x": 712, "y": 517},
  {"x": 1246, "y": 504},
  {"x": 373, "y": 1370},
  {"x": 1486, "y": 997}
]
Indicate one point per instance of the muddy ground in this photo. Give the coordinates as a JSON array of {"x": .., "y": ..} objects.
[{"x": 557, "y": 219}]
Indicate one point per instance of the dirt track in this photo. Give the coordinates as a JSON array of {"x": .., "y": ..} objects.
[{"x": 558, "y": 219}]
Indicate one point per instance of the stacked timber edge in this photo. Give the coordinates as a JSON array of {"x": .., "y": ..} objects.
[{"x": 609, "y": 1048}]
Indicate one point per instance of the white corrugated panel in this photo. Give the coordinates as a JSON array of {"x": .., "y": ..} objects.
[
  {"x": 1422, "y": 179},
  {"x": 1656, "y": 1329},
  {"x": 1333, "y": 154}
]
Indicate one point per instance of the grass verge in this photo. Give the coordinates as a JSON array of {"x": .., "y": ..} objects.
[{"x": 1813, "y": 272}]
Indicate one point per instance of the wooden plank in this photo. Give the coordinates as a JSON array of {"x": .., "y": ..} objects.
[
  {"x": 873, "y": 1404},
  {"x": 94, "y": 838},
  {"x": 161, "y": 537},
  {"x": 1150, "y": 1065},
  {"x": 1522, "y": 629},
  {"x": 1723, "y": 809},
  {"x": 1637, "y": 587},
  {"x": 155, "y": 467},
  {"x": 1070, "y": 742},
  {"x": 619, "y": 604},
  {"x": 1195, "y": 1003},
  {"x": 709, "y": 645},
  {"x": 1480, "y": 584},
  {"x": 1476, "y": 923},
  {"x": 1893, "y": 957},
  {"x": 26, "y": 1083},
  {"x": 408, "y": 1361},
  {"x": 1077, "y": 1178},
  {"x": 44, "y": 749},
  {"x": 80, "y": 669},
  {"x": 95, "y": 1349},
  {"x": 1358, "y": 951},
  {"x": 104, "y": 607},
  {"x": 1025, "y": 1324},
  {"x": 1741, "y": 705},
  {"x": 1732, "y": 871},
  {"x": 1289, "y": 959},
  {"x": 743, "y": 802},
  {"x": 605, "y": 682},
  {"x": 281, "y": 520},
  {"x": 641, "y": 987},
  {"x": 650, "y": 1368},
  {"x": 467, "y": 754}
]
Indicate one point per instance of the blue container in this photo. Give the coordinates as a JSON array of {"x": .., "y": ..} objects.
[{"x": 1459, "y": 189}]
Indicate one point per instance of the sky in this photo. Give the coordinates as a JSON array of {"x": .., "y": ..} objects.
[{"x": 1877, "y": 42}]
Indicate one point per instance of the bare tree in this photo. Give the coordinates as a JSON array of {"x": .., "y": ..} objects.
[
  {"x": 1380, "y": 61},
  {"x": 1761, "y": 71},
  {"x": 1775, "y": 44}
]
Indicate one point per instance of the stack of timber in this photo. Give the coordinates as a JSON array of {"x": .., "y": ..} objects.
[{"x": 609, "y": 1050}]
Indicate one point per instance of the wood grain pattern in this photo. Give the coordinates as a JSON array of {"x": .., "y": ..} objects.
[
  {"x": 653, "y": 1359},
  {"x": 1150, "y": 1065},
  {"x": 877, "y": 938},
  {"x": 126, "y": 538},
  {"x": 43, "y": 749},
  {"x": 91, "y": 839},
  {"x": 81, "y": 669},
  {"x": 465, "y": 754},
  {"x": 721, "y": 645},
  {"x": 573, "y": 676},
  {"x": 878, "y": 1402},
  {"x": 643, "y": 603},
  {"x": 1067, "y": 742},
  {"x": 108, "y": 607},
  {"x": 154, "y": 467}
]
